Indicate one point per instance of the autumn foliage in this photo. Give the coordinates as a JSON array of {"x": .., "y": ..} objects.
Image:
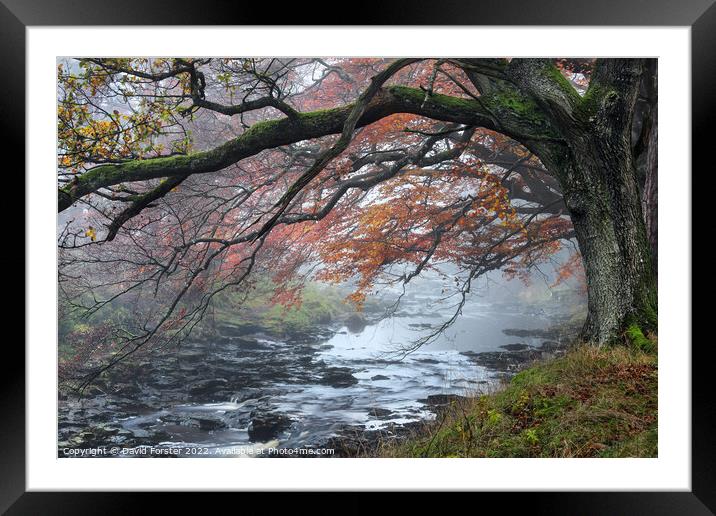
[{"x": 408, "y": 194}]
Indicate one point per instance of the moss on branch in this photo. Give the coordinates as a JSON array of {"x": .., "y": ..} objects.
[
  {"x": 274, "y": 133},
  {"x": 509, "y": 112}
]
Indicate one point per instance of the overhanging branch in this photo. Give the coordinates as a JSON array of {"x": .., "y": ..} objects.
[{"x": 275, "y": 133}]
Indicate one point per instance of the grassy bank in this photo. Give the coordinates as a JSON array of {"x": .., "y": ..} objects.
[{"x": 592, "y": 402}]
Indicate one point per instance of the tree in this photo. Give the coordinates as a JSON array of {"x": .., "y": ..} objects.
[{"x": 489, "y": 163}]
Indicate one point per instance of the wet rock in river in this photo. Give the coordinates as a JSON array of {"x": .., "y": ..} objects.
[
  {"x": 427, "y": 360},
  {"x": 504, "y": 361},
  {"x": 209, "y": 423},
  {"x": 517, "y": 356},
  {"x": 379, "y": 377},
  {"x": 206, "y": 386},
  {"x": 160, "y": 382},
  {"x": 95, "y": 415},
  {"x": 548, "y": 333},
  {"x": 338, "y": 377},
  {"x": 515, "y": 347},
  {"x": 174, "y": 419},
  {"x": 441, "y": 400},
  {"x": 130, "y": 406},
  {"x": 380, "y": 413},
  {"x": 264, "y": 427}
]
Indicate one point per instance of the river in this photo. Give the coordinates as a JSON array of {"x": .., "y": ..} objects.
[{"x": 241, "y": 394}]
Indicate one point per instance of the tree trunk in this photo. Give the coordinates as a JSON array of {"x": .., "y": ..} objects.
[
  {"x": 649, "y": 197},
  {"x": 595, "y": 166},
  {"x": 603, "y": 199}
]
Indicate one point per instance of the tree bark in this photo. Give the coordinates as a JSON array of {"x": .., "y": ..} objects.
[
  {"x": 649, "y": 197},
  {"x": 645, "y": 152},
  {"x": 602, "y": 196},
  {"x": 597, "y": 172}
]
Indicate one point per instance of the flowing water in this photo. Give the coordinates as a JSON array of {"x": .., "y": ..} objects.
[{"x": 245, "y": 393}]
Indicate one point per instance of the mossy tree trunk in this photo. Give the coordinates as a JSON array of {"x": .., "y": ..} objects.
[
  {"x": 602, "y": 196},
  {"x": 596, "y": 170}
]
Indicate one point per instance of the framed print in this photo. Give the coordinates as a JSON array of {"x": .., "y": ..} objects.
[{"x": 426, "y": 249}]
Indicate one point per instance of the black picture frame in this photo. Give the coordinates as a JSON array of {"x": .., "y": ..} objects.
[{"x": 16, "y": 15}]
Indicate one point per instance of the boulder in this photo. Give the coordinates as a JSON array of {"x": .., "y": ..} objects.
[
  {"x": 338, "y": 377},
  {"x": 264, "y": 427},
  {"x": 209, "y": 423},
  {"x": 206, "y": 386},
  {"x": 441, "y": 400},
  {"x": 515, "y": 347},
  {"x": 380, "y": 413}
]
